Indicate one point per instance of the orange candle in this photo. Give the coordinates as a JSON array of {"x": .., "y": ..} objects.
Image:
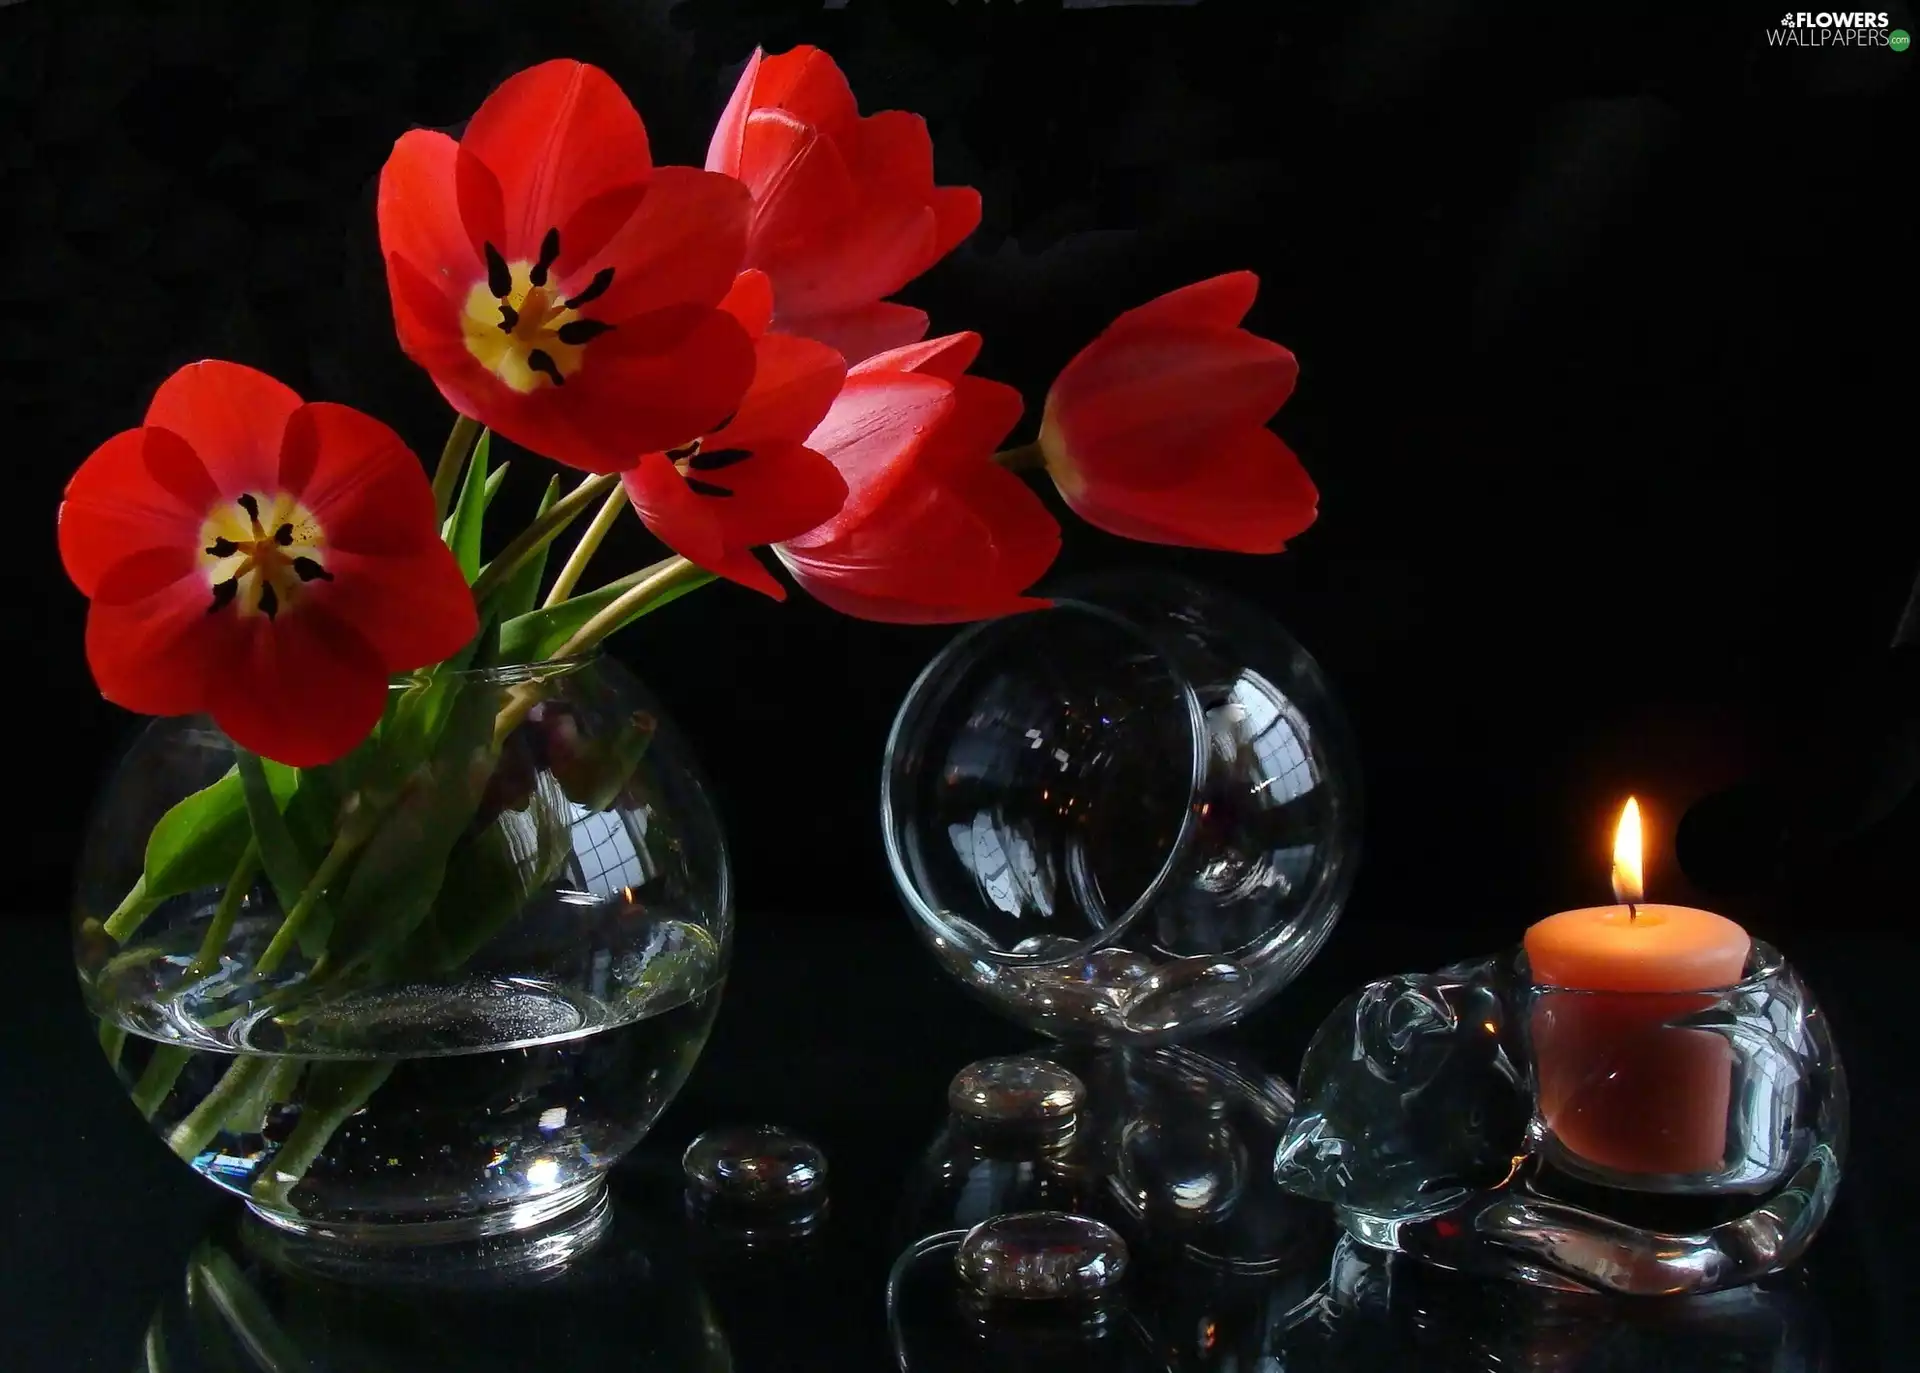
[{"x": 1619, "y": 1087}]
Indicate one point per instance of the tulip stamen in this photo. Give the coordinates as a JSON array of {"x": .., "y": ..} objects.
[
  {"x": 549, "y": 254},
  {"x": 522, "y": 328},
  {"x": 596, "y": 288},
  {"x": 252, "y": 569}
]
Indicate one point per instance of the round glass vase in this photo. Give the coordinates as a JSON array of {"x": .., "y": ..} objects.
[
  {"x": 434, "y": 990},
  {"x": 1129, "y": 818}
]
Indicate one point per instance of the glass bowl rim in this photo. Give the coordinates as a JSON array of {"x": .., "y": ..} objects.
[{"x": 496, "y": 674}]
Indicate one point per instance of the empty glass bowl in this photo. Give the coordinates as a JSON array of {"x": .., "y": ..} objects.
[{"x": 1129, "y": 818}]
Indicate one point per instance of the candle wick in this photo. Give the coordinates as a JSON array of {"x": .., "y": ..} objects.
[{"x": 1633, "y": 913}]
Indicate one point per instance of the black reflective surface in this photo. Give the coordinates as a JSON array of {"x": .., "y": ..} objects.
[{"x": 107, "y": 1234}]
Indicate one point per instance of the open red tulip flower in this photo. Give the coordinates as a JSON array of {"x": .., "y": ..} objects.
[
  {"x": 750, "y": 479},
  {"x": 1157, "y": 430},
  {"x": 933, "y": 530},
  {"x": 558, "y": 287},
  {"x": 845, "y": 211},
  {"x": 264, "y": 560}
]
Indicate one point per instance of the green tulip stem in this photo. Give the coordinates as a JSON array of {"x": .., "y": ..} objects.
[
  {"x": 541, "y": 532},
  {"x": 194, "y": 1133},
  {"x": 113, "y": 1041},
  {"x": 208, "y": 959},
  {"x": 327, "y": 1106},
  {"x": 345, "y": 845},
  {"x": 1028, "y": 457},
  {"x": 632, "y": 602},
  {"x": 130, "y": 913},
  {"x": 158, "y": 1077},
  {"x": 589, "y": 544},
  {"x": 453, "y": 461}
]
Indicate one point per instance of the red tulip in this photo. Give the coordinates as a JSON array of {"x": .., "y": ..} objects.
[
  {"x": 750, "y": 479},
  {"x": 557, "y": 286},
  {"x": 1157, "y": 430},
  {"x": 269, "y": 562},
  {"x": 844, "y": 208},
  {"x": 933, "y": 530}
]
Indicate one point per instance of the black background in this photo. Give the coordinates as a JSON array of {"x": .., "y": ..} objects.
[{"x": 1607, "y": 373}]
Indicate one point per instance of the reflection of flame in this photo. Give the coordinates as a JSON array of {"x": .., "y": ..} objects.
[{"x": 1628, "y": 884}]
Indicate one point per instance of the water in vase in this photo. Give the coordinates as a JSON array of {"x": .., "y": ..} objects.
[{"x": 496, "y": 1095}]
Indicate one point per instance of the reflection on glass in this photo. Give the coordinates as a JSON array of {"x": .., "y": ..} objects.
[
  {"x": 603, "y": 1290},
  {"x": 1390, "y": 1312},
  {"x": 1169, "y": 1147}
]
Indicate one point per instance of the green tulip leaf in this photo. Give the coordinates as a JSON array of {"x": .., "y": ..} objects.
[
  {"x": 288, "y": 865},
  {"x": 198, "y": 843},
  {"x": 517, "y": 595},
  {"x": 469, "y": 512},
  {"x": 398, "y": 872}
]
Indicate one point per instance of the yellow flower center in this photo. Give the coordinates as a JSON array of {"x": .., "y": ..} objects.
[
  {"x": 520, "y": 327},
  {"x": 258, "y": 556}
]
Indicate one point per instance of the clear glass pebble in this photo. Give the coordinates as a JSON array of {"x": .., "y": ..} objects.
[
  {"x": 1041, "y": 1256},
  {"x": 1015, "y": 1092},
  {"x": 755, "y": 1164}
]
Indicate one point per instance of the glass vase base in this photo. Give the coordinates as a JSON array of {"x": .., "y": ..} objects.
[{"x": 572, "y": 1213}]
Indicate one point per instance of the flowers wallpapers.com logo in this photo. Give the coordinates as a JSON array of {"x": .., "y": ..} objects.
[{"x": 1837, "y": 28}]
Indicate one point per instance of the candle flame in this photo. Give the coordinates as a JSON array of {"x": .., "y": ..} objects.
[{"x": 1628, "y": 884}]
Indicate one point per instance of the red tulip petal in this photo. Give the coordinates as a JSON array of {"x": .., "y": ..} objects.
[
  {"x": 557, "y": 137},
  {"x": 893, "y": 148},
  {"x": 303, "y": 691},
  {"x": 871, "y": 253},
  {"x": 799, "y": 184},
  {"x": 795, "y": 381},
  {"x": 872, "y": 435},
  {"x": 1245, "y": 493},
  {"x": 158, "y": 655},
  {"x": 413, "y": 607},
  {"x": 685, "y": 522},
  {"x": 1217, "y": 303},
  {"x": 483, "y": 205},
  {"x": 682, "y": 246},
  {"x": 984, "y": 413},
  {"x": 231, "y": 416},
  {"x": 1024, "y": 535},
  {"x": 653, "y": 383},
  {"x": 863, "y": 332},
  {"x": 949, "y": 543},
  {"x": 418, "y": 208},
  {"x": 146, "y": 573},
  {"x": 1125, "y": 404},
  {"x": 943, "y": 553},
  {"x": 806, "y": 82},
  {"x": 360, "y": 480},
  {"x": 723, "y": 151},
  {"x": 750, "y": 300},
  {"x": 781, "y": 491},
  {"x": 956, "y": 211},
  {"x": 426, "y": 322},
  {"x": 775, "y": 491},
  {"x": 739, "y": 565},
  {"x": 117, "y": 504},
  {"x": 948, "y": 357}
]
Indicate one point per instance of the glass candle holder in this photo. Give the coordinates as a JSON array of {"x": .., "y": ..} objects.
[
  {"x": 1644, "y": 1143},
  {"x": 1129, "y": 818}
]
